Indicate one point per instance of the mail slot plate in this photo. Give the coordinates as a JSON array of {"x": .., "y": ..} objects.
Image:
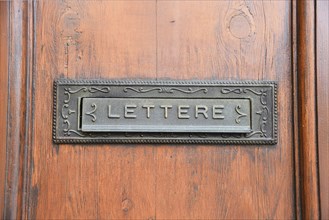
[
  {"x": 165, "y": 115},
  {"x": 205, "y": 112}
]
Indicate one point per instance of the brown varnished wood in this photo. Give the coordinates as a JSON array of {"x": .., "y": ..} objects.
[
  {"x": 322, "y": 66},
  {"x": 307, "y": 109},
  {"x": 87, "y": 39},
  {"x": 294, "y": 100},
  {"x": 167, "y": 39},
  {"x": 3, "y": 98},
  {"x": 226, "y": 40},
  {"x": 17, "y": 110},
  {"x": 19, "y": 93},
  {"x": 29, "y": 192},
  {"x": 211, "y": 40}
]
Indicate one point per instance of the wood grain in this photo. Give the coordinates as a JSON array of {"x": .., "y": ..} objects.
[
  {"x": 322, "y": 65},
  {"x": 17, "y": 96},
  {"x": 200, "y": 40},
  {"x": 87, "y": 39},
  {"x": 296, "y": 123},
  {"x": 3, "y": 98},
  {"x": 162, "y": 40},
  {"x": 307, "y": 109},
  {"x": 225, "y": 40}
]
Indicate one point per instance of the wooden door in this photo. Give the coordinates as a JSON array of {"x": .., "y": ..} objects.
[{"x": 158, "y": 39}]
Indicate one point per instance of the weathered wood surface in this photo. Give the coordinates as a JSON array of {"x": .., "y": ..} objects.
[
  {"x": 19, "y": 106},
  {"x": 3, "y": 97},
  {"x": 307, "y": 109},
  {"x": 322, "y": 53},
  {"x": 162, "y": 40}
]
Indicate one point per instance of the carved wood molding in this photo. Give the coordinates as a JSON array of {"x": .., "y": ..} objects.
[
  {"x": 306, "y": 98},
  {"x": 20, "y": 106}
]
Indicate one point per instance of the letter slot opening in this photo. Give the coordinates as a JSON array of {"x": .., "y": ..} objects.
[{"x": 149, "y": 115}]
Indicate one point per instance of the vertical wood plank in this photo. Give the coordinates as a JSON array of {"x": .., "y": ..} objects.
[
  {"x": 294, "y": 68},
  {"x": 322, "y": 61},
  {"x": 17, "y": 109},
  {"x": 92, "y": 39},
  {"x": 307, "y": 109},
  {"x": 227, "y": 40},
  {"x": 3, "y": 98}
]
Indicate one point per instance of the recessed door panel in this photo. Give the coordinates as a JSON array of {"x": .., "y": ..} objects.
[{"x": 162, "y": 40}]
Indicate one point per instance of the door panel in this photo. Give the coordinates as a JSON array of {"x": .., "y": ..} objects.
[
  {"x": 222, "y": 40},
  {"x": 132, "y": 39}
]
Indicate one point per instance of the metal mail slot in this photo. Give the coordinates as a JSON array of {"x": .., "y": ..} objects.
[
  {"x": 190, "y": 112},
  {"x": 163, "y": 115}
]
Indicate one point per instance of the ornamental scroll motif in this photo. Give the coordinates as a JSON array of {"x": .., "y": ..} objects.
[
  {"x": 165, "y": 90},
  {"x": 66, "y": 112},
  {"x": 262, "y": 112}
]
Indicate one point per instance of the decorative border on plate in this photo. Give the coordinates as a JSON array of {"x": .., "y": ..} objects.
[{"x": 163, "y": 138}]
